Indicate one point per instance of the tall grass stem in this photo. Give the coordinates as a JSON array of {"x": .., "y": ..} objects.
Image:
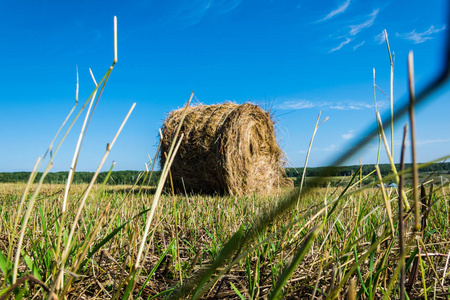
[
  {"x": 386, "y": 200},
  {"x": 86, "y": 193},
  {"x": 412, "y": 121},
  {"x": 376, "y": 116},
  {"x": 391, "y": 60},
  {"x": 391, "y": 160},
  {"x": 401, "y": 223},
  {"x": 162, "y": 180},
  {"x": 307, "y": 156}
]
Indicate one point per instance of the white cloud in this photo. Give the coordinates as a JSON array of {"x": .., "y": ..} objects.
[
  {"x": 349, "y": 135},
  {"x": 355, "y": 29},
  {"x": 357, "y": 106},
  {"x": 191, "y": 12},
  {"x": 330, "y": 148},
  {"x": 425, "y": 142},
  {"x": 380, "y": 38},
  {"x": 224, "y": 6},
  {"x": 304, "y": 104},
  {"x": 337, "y": 11},
  {"x": 297, "y": 104},
  {"x": 342, "y": 44},
  {"x": 422, "y": 142},
  {"x": 359, "y": 45},
  {"x": 338, "y": 107},
  {"x": 420, "y": 37}
]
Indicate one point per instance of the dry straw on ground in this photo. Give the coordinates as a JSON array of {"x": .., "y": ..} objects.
[{"x": 227, "y": 148}]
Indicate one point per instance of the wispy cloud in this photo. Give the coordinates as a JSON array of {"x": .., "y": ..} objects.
[
  {"x": 305, "y": 104},
  {"x": 330, "y": 148},
  {"x": 355, "y": 29},
  {"x": 359, "y": 45},
  {"x": 380, "y": 38},
  {"x": 342, "y": 44},
  {"x": 422, "y": 142},
  {"x": 191, "y": 12},
  {"x": 337, "y": 11},
  {"x": 426, "y": 142},
  {"x": 349, "y": 135},
  {"x": 298, "y": 104},
  {"x": 420, "y": 37},
  {"x": 356, "y": 106},
  {"x": 221, "y": 7}
]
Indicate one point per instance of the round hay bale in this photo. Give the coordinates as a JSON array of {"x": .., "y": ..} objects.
[{"x": 227, "y": 148}]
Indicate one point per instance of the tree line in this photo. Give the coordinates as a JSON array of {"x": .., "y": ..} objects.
[
  {"x": 385, "y": 169},
  {"x": 116, "y": 177},
  {"x": 130, "y": 177}
]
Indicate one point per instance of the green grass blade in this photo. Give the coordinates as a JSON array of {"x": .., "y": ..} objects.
[
  {"x": 155, "y": 268},
  {"x": 31, "y": 265},
  {"x": 6, "y": 267},
  {"x": 358, "y": 271},
  {"x": 226, "y": 251},
  {"x": 130, "y": 286},
  {"x": 169, "y": 291},
  {"x": 21, "y": 293},
  {"x": 3, "y": 291},
  {"x": 237, "y": 291},
  {"x": 109, "y": 237},
  {"x": 287, "y": 273}
]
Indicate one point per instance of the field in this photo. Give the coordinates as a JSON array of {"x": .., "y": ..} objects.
[{"x": 330, "y": 240}]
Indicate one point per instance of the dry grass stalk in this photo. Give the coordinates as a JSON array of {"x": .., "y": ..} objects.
[
  {"x": 307, "y": 154},
  {"x": 386, "y": 201},
  {"x": 401, "y": 225},
  {"x": 351, "y": 292},
  {"x": 413, "y": 140}
]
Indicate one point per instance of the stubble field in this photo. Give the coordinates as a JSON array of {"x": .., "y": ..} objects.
[{"x": 221, "y": 247}]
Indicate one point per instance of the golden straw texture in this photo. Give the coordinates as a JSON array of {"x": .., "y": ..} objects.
[{"x": 228, "y": 148}]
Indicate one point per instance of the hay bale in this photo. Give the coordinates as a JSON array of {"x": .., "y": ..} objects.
[{"x": 227, "y": 148}]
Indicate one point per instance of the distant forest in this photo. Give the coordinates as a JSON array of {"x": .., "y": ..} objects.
[
  {"x": 385, "y": 169},
  {"x": 296, "y": 173},
  {"x": 116, "y": 178},
  {"x": 130, "y": 177}
]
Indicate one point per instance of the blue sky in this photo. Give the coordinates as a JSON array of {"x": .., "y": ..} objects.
[{"x": 295, "y": 58}]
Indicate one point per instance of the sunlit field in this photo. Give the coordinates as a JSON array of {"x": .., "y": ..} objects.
[
  {"x": 353, "y": 243},
  {"x": 344, "y": 237}
]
